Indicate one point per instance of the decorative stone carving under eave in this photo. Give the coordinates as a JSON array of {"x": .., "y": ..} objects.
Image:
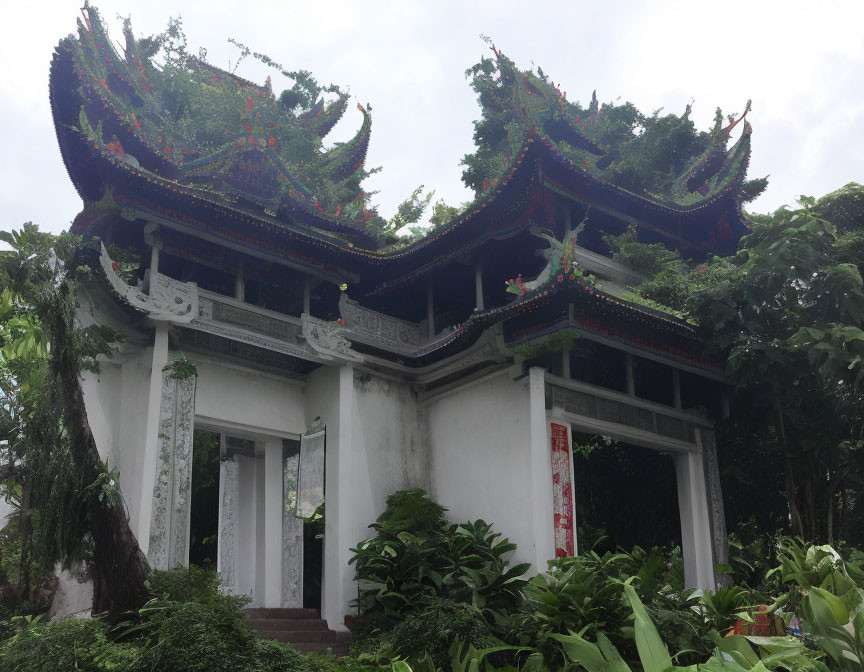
[
  {"x": 325, "y": 339},
  {"x": 384, "y": 331},
  {"x": 168, "y": 300},
  {"x": 261, "y": 331}
]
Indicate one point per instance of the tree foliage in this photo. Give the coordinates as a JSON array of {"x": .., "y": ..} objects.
[
  {"x": 786, "y": 312},
  {"x": 643, "y": 153},
  {"x": 70, "y": 504}
]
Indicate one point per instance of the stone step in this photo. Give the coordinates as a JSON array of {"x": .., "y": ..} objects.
[
  {"x": 282, "y": 613},
  {"x": 321, "y": 647},
  {"x": 287, "y": 623},
  {"x": 308, "y": 636}
]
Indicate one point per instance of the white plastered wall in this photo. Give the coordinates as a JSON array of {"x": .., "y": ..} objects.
[
  {"x": 230, "y": 396},
  {"x": 480, "y": 444}
]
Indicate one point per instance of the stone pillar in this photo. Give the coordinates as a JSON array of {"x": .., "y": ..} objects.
[
  {"x": 540, "y": 475},
  {"x": 229, "y": 490},
  {"x": 430, "y": 309},
  {"x": 151, "y": 439},
  {"x": 628, "y": 372},
  {"x": 695, "y": 521},
  {"x": 271, "y": 544},
  {"x": 339, "y": 587},
  {"x": 478, "y": 287},
  {"x": 169, "y": 529},
  {"x": 676, "y": 388},
  {"x": 719, "y": 537},
  {"x": 240, "y": 281},
  {"x": 292, "y": 528}
]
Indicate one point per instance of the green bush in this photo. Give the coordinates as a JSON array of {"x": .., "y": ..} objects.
[
  {"x": 411, "y": 511},
  {"x": 416, "y": 557},
  {"x": 192, "y": 584},
  {"x": 271, "y": 656},
  {"x": 191, "y": 636},
  {"x": 434, "y": 629},
  {"x": 72, "y": 644}
]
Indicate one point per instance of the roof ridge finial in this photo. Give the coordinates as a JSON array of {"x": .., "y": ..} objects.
[{"x": 734, "y": 122}]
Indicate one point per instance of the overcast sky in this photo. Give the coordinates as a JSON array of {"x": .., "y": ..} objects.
[{"x": 802, "y": 63}]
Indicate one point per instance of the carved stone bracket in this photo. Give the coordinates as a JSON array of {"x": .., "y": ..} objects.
[
  {"x": 325, "y": 338},
  {"x": 168, "y": 299},
  {"x": 169, "y": 528}
]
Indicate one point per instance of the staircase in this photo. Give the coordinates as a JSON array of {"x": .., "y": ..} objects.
[{"x": 302, "y": 628}]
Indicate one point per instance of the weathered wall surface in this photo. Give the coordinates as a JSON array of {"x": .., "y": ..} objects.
[
  {"x": 480, "y": 453},
  {"x": 256, "y": 400},
  {"x": 116, "y": 401},
  {"x": 390, "y": 442}
]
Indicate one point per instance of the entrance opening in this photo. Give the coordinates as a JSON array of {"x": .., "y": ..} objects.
[
  {"x": 626, "y": 495},
  {"x": 204, "y": 516},
  {"x": 313, "y": 558}
]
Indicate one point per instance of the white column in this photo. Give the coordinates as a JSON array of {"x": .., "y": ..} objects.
[
  {"x": 430, "y": 309},
  {"x": 151, "y": 441},
  {"x": 307, "y": 295},
  {"x": 478, "y": 287},
  {"x": 339, "y": 586},
  {"x": 272, "y": 528},
  {"x": 695, "y": 521},
  {"x": 628, "y": 372},
  {"x": 240, "y": 282},
  {"x": 540, "y": 491}
]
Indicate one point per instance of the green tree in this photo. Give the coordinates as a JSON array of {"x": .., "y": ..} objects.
[
  {"x": 70, "y": 502},
  {"x": 786, "y": 314}
]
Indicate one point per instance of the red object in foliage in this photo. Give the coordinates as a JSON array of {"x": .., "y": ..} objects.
[{"x": 115, "y": 265}]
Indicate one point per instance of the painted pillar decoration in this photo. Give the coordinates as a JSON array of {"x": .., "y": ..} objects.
[
  {"x": 169, "y": 529},
  {"x": 719, "y": 538},
  {"x": 292, "y": 527},
  {"x": 311, "y": 472},
  {"x": 562, "y": 493},
  {"x": 228, "y": 500}
]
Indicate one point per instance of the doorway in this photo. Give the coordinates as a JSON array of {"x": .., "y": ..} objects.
[
  {"x": 626, "y": 495},
  {"x": 204, "y": 499}
]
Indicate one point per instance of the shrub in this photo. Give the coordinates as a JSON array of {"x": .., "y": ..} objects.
[
  {"x": 73, "y": 644},
  {"x": 411, "y": 511},
  {"x": 417, "y": 557},
  {"x": 192, "y": 584},
  {"x": 271, "y": 656},
  {"x": 191, "y": 636},
  {"x": 430, "y": 631}
]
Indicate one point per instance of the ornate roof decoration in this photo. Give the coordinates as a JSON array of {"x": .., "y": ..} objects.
[
  {"x": 269, "y": 162},
  {"x": 240, "y": 166}
]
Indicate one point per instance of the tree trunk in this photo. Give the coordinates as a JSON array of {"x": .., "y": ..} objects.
[
  {"x": 791, "y": 495},
  {"x": 119, "y": 566}
]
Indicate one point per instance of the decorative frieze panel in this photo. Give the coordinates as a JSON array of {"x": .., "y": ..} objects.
[
  {"x": 201, "y": 336},
  {"x": 590, "y": 405},
  {"x": 292, "y": 527},
  {"x": 169, "y": 528},
  {"x": 272, "y": 327},
  {"x": 390, "y": 333}
]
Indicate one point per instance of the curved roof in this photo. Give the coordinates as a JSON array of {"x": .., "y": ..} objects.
[{"x": 123, "y": 148}]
